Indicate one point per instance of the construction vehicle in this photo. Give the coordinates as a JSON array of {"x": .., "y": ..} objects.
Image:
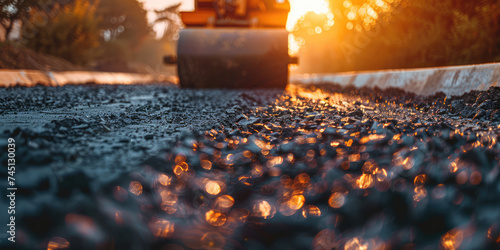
[{"x": 234, "y": 44}]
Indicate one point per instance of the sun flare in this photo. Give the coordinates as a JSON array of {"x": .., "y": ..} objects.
[{"x": 299, "y": 8}]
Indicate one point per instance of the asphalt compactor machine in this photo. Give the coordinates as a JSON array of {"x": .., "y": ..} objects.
[{"x": 234, "y": 44}]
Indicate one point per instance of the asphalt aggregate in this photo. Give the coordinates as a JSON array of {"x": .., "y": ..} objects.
[{"x": 311, "y": 167}]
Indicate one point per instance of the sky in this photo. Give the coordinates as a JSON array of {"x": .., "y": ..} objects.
[
  {"x": 161, "y": 4},
  {"x": 150, "y": 5}
]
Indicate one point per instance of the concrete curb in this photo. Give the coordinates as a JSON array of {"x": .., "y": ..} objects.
[
  {"x": 454, "y": 80},
  {"x": 29, "y": 78}
]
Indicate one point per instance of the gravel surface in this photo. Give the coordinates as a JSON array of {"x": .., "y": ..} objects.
[
  {"x": 112, "y": 127},
  {"x": 133, "y": 167}
]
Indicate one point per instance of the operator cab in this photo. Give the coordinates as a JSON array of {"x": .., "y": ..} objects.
[{"x": 234, "y": 13}]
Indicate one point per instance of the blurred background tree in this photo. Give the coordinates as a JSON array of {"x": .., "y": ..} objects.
[
  {"x": 71, "y": 33},
  {"x": 155, "y": 48},
  {"x": 12, "y": 10},
  {"x": 384, "y": 34},
  {"x": 123, "y": 27},
  {"x": 107, "y": 32},
  {"x": 107, "y": 35},
  {"x": 114, "y": 35}
]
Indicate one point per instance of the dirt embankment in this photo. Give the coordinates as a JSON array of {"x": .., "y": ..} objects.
[{"x": 14, "y": 57}]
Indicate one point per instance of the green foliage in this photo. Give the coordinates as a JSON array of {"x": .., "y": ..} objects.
[
  {"x": 415, "y": 33},
  {"x": 71, "y": 34}
]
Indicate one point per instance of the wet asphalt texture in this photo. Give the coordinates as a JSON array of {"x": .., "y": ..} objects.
[{"x": 312, "y": 167}]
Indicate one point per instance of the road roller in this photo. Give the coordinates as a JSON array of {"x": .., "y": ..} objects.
[{"x": 234, "y": 44}]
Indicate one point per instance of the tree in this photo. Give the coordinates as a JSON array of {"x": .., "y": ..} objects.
[
  {"x": 71, "y": 34},
  {"x": 439, "y": 33},
  {"x": 124, "y": 20},
  {"x": 12, "y": 10},
  {"x": 383, "y": 34}
]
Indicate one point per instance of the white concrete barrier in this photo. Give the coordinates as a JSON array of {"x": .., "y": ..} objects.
[
  {"x": 9, "y": 78},
  {"x": 454, "y": 80}
]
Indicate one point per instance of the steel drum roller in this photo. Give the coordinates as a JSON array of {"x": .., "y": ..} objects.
[{"x": 233, "y": 58}]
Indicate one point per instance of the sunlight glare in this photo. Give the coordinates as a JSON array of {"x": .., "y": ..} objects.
[{"x": 299, "y": 8}]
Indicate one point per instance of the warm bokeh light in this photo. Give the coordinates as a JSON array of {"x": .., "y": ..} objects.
[
  {"x": 164, "y": 179},
  {"x": 462, "y": 177},
  {"x": 264, "y": 209},
  {"x": 290, "y": 206},
  {"x": 364, "y": 181},
  {"x": 493, "y": 234},
  {"x": 161, "y": 228},
  {"x": 213, "y": 240},
  {"x": 311, "y": 210},
  {"x": 212, "y": 187},
  {"x": 420, "y": 193},
  {"x": 301, "y": 181},
  {"x": 420, "y": 180},
  {"x": 206, "y": 164},
  {"x": 381, "y": 174},
  {"x": 58, "y": 243},
  {"x": 298, "y": 8},
  {"x": 215, "y": 218},
  {"x": 135, "y": 187},
  {"x": 83, "y": 224},
  {"x": 118, "y": 218},
  {"x": 224, "y": 201},
  {"x": 325, "y": 239},
  {"x": 336, "y": 200},
  {"x": 120, "y": 193},
  {"x": 452, "y": 239},
  {"x": 168, "y": 198},
  {"x": 356, "y": 243},
  {"x": 240, "y": 215},
  {"x": 180, "y": 168},
  {"x": 475, "y": 178}
]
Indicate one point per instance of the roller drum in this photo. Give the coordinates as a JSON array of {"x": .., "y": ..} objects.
[{"x": 233, "y": 58}]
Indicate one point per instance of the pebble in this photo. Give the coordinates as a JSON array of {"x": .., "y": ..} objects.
[{"x": 458, "y": 105}]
